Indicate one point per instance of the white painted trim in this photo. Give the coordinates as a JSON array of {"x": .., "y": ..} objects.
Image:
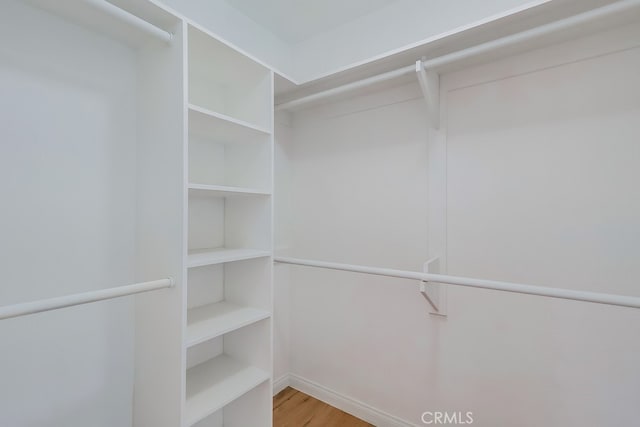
[
  {"x": 281, "y": 383},
  {"x": 347, "y": 404}
]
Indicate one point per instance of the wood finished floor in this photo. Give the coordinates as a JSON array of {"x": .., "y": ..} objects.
[{"x": 292, "y": 408}]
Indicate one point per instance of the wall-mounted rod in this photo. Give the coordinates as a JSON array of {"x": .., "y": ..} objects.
[
  {"x": 595, "y": 297},
  {"x": 435, "y": 64},
  {"x": 391, "y": 75},
  {"x": 617, "y": 8},
  {"x": 24, "y": 309},
  {"x": 121, "y": 14}
]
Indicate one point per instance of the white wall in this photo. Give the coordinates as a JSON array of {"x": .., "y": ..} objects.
[
  {"x": 542, "y": 188},
  {"x": 358, "y": 183},
  {"x": 67, "y": 174},
  {"x": 542, "y": 155}
]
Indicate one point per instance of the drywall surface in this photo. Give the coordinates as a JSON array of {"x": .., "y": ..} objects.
[
  {"x": 542, "y": 188},
  {"x": 542, "y": 154},
  {"x": 67, "y": 184},
  {"x": 233, "y": 26},
  {"x": 358, "y": 195}
]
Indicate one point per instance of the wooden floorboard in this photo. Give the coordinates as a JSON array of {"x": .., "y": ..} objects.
[{"x": 292, "y": 408}]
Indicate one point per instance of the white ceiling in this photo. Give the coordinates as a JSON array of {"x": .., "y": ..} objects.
[{"x": 296, "y": 20}]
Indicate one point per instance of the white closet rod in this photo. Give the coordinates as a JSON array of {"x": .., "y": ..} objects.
[
  {"x": 121, "y": 14},
  {"x": 595, "y": 297},
  {"x": 437, "y": 63},
  {"x": 24, "y": 309},
  {"x": 349, "y": 87}
]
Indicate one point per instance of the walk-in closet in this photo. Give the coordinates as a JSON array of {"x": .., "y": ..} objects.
[{"x": 251, "y": 213}]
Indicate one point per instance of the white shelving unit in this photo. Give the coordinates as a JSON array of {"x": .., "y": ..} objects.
[
  {"x": 224, "y": 83},
  {"x": 202, "y": 257},
  {"x": 226, "y": 154},
  {"x": 217, "y": 382},
  {"x": 210, "y": 321},
  {"x": 229, "y": 136},
  {"x": 223, "y": 369},
  {"x": 229, "y": 235},
  {"x": 206, "y": 122},
  {"x": 205, "y": 190}
]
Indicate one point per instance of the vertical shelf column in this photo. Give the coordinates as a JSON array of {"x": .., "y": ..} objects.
[
  {"x": 159, "y": 356},
  {"x": 228, "y": 338}
]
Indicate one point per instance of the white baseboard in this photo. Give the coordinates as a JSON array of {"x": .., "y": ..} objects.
[
  {"x": 280, "y": 384},
  {"x": 351, "y": 406}
]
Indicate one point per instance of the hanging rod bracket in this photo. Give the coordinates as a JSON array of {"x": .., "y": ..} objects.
[
  {"x": 430, "y": 85},
  {"x": 434, "y": 293}
]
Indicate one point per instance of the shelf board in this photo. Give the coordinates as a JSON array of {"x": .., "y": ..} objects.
[
  {"x": 114, "y": 20},
  {"x": 212, "y": 320},
  {"x": 221, "y": 127},
  {"x": 201, "y": 257},
  {"x": 205, "y": 190},
  {"x": 216, "y": 383}
]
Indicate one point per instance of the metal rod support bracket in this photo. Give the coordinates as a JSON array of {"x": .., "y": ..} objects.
[
  {"x": 430, "y": 85},
  {"x": 434, "y": 293}
]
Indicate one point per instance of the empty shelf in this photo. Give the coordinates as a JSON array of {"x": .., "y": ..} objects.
[
  {"x": 223, "y": 128},
  {"x": 201, "y": 257},
  {"x": 224, "y": 191},
  {"x": 210, "y": 321},
  {"x": 216, "y": 383},
  {"x": 114, "y": 21}
]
